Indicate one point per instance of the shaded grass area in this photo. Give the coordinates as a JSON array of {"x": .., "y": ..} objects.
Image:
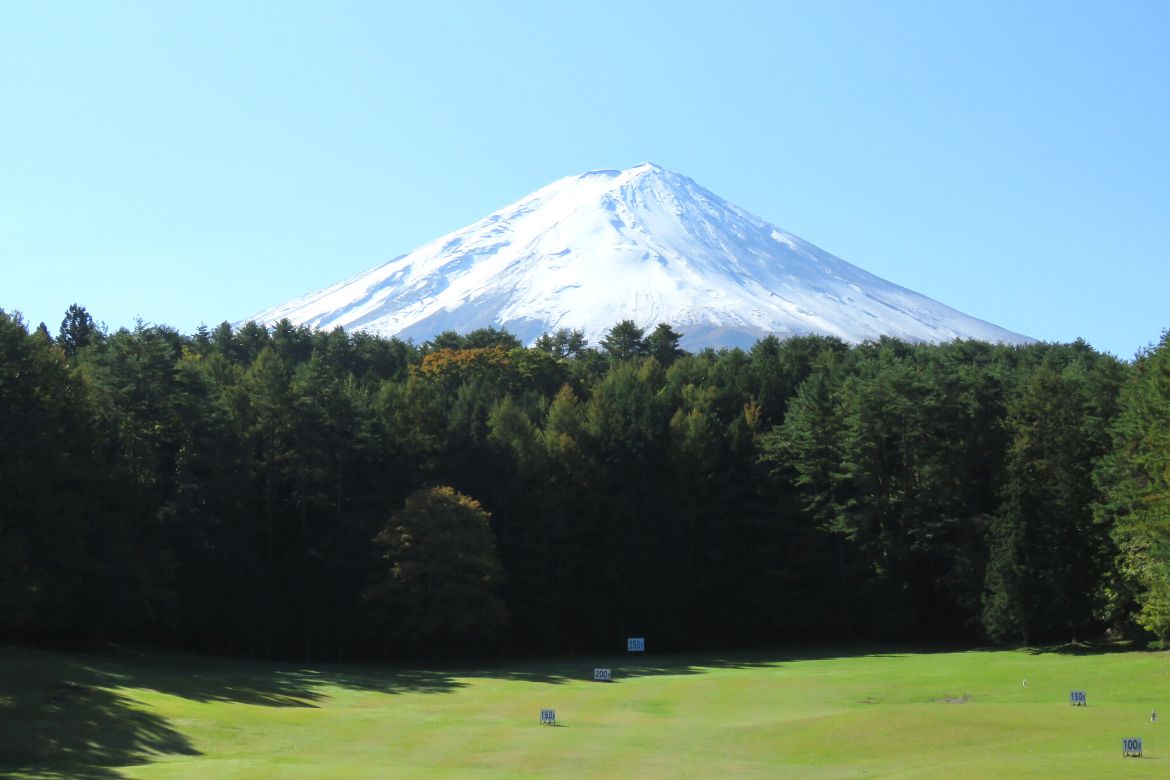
[
  {"x": 69, "y": 714},
  {"x": 805, "y": 712}
]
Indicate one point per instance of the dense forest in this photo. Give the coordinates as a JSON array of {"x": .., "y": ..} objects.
[{"x": 325, "y": 495}]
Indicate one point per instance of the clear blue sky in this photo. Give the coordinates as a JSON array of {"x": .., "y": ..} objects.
[{"x": 188, "y": 163}]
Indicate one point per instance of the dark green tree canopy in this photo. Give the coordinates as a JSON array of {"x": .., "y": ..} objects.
[
  {"x": 78, "y": 330},
  {"x": 1135, "y": 479},
  {"x": 229, "y": 491},
  {"x": 565, "y": 343},
  {"x": 662, "y": 344},
  {"x": 441, "y": 571},
  {"x": 625, "y": 341}
]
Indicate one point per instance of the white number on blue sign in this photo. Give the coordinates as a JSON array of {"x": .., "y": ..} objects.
[
  {"x": 636, "y": 644},
  {"x": 549, "y": 717},
  {"x": 1131, "y": 746},
  {"x": 602, "y": 675},
  {"x": 1077, "y": 699}
]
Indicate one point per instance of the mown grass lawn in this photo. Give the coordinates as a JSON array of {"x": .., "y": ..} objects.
[{"x": 788, "y": 713}]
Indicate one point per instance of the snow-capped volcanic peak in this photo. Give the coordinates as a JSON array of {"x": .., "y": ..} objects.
[{"x": 644, "y": 244}]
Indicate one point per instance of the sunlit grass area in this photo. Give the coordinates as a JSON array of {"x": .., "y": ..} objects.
[{"x": 787, "y": 713}]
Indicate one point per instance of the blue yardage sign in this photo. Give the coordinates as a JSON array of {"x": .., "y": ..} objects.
[{"x": 636, "y": 644}]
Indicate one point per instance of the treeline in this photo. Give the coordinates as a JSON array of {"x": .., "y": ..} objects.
[{"x": 322, "y": 495}]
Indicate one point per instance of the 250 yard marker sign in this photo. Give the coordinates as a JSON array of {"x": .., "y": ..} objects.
[{"x": 636, "y": 644}]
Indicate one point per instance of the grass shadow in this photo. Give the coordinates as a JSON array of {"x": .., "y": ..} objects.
[
  {"x": 1088, "y": 648},
  {"x": 72, "y": 715},
  {"x": 58, "y": 721},
  {"x": 626, "y": 667}
]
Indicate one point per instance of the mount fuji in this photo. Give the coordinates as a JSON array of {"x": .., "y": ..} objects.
[{"x": 643, "y": 244}]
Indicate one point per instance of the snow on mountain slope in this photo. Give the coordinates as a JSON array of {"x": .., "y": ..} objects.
[{"x": 644, "y": 244}]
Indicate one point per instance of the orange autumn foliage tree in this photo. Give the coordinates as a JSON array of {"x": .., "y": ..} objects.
[{"x": 453, "y": 367}]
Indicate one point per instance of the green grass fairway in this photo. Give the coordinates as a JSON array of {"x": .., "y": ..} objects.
[{"x": 782, "y": 714}]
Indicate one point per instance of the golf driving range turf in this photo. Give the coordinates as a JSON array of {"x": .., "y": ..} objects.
[{"x": 786, "y": 713}]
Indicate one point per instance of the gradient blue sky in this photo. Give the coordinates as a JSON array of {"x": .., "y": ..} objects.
[{"x": 187, "y": 163}]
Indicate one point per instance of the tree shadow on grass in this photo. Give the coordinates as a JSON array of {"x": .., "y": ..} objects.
[
  {"x": 56, "y": 722},
  {"x": 567, "y": 671},
  {"x": 74, "y": 715},
  {"x": 1088, "y": 648},
  {"x": 626, "y": 667}
]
